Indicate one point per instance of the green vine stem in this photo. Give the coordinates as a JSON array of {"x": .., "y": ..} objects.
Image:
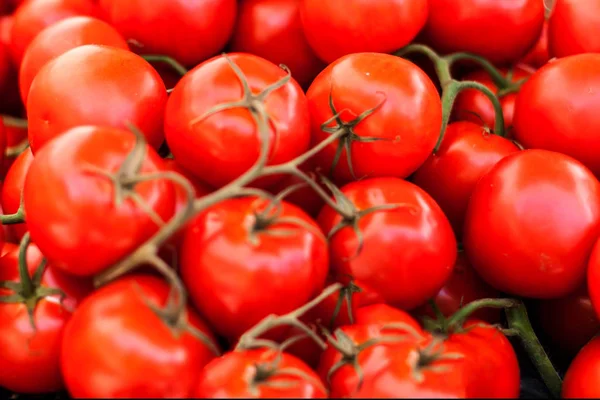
[
  {"x": 14, "y": 122},
  {"x": 518, "y": 322},
  {"x": 177, "y": 67},
  {"x": 16, "y": 218}
]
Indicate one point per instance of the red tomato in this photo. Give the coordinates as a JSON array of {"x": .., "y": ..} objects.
[
  {"x": 146, "y": 358},
  {"x": 35, "y": 15},
  {"x": 557, "y": 109},
  {"x": 30, "y": 360},
  {"x": 583, "y": 375},
  {"x": 254, "y": 374},
  {"x": 355, "y": 26},
  {"x": 12, "y": 190},
  {"x": 393, "y": 141},
  {"x": 569, "y": 322},
  {"x": 3, "y": 141},
  {"x": 472, "y": 105},
  {"x": 467, "y": 152},
  {"x": 189, "y": 31},
  {"x": 573, "y": 28},
  {"x": 61, "y": 37},
  {"x": 223, "y": 146},
  {"x": 382, "y": 315},
  {"x": 416, "y": 233},
  {"x": 531, "y": 224},
  {"x": 463, "y": 287},
  {"x": 272, "y": 29},
  {"x": 81, "y": 198},
  {"x": 539, "y": 56},
  {"x": 288, "y": 262},
  {"x": 501, "y": 31},
  {"x": 112, "y": 87}
]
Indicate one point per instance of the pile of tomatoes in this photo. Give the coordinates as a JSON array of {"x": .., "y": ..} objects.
[{"x": 299, "y": 198}]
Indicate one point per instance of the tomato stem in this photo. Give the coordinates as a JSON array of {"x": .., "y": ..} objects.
[
  {"x": 27, "y": 287},
  {"x": 16, "y": 218},
  {"x": 14, "y": 122},
  {"x": 14, "y": 151},
  {"x": 460, "y": 316},
  {"x": 499, "y": 80},
  {"x": 180, "y": 69},
  {"x": 518, "y": 321}
]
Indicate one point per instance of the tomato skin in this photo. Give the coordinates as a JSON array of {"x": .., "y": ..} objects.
[
  {"x": 569, "y": 322},
  {"x": 390, "y": 236},
  {"x": 449, "y": 176},
  {"x": 61, "y": 37},
  {"x": 573, "y": 28},
  {"x": 35, "y": 15},
  {"x": 564, "y": 84},
  {"x": 539, "y": 55},
  {"x": 12, "y": 189},
  {"x": 30, "y": 361},
  {"x": 111, "y": 87},
  {"x": 531, "y": 193},
  {"x": 505, "y": 30},
  {"x": 289, "y": 270},
  {"x": 227, "y": 378},
  {"x": 364, "y": 26},
  {"x": 188, "y": 31},
  {"x": 88, "y": 241},
  {"x": 227, "y": 144},
  {"x": 472, "y": 105},
  {"x": 383, "y": 314},
  {"x": 408, "y": 121},
  {"x": 583, "y": 375},
  {"x": 272, "y": 29},
  {"x": 463, "y": 287},
  {"x": 146, "y": 360}
]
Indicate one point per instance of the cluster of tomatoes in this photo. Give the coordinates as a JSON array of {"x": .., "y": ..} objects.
[{"x": 355, "y": 199}]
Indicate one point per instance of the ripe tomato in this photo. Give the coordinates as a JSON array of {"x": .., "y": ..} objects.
[
  {"x": 467, "y": 152},
  {"x": 567, "y": 84},
  {"x": 272, "y": 29},
  {"x": 539, "y": 55},
  {"x": 573, "y": 28},
  {"x": 501, "y": 31},
  {"x": 188, "y": 31},
  {"x": 30, "y": 359},
  {"x": 82, "y": 198},
  {"x": 35, "y": 15},
  {"x": 545, "y": 220},
  {"x": 416, "y": 233},
  {"x": 472, "y": 105},
  {"x": 287, "y": 261},
  {"x": 569, "y": 322},
  {"x": 363, "y": 26},
  {"x": 583, "y": 375},
  {"x": 224, "y": 145},
  {"x": 396, "y": 138},
  {"x": 146, "y": 357},
  {"x": 12, "y": 190},
  {"x": 112, "y": 87},
  {"x": 61, "y": 37},
  {"x": 382, "y": 315},
  {"x": 463, "y": 287}
]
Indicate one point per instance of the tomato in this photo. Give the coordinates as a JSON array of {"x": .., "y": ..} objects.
[
  {"x": 400, "y": 133},
  {"x": 573, "y": 28},
  {"x": 146, "y": 357},
  {"x": 12, "y": 190},
  {"x": 30, "y": 359},
  {"x": 355, "y": 26},
  {"x": 569, "y": 322},
  {"x": 223, "y": 146},
  {"x": 539, "y": 55},
  {"x": 272, "y": 29},
  {"x": 472, "y": 105},
  {"x": 287, "y": 261},
  {"x": 557, "y": 109},
  {"x": 501, "y": 31},
  {"x": 545, "y": 220},
  {"x": 61, "y": 37},
  {"x": 583, "y": 375},
  {"x": 69, "y": 170},
  {"x": 35, "y": 15},
  {"x": 463, "y": 287},
  {"x": 468, "y": 151},
  {"x": 188, "y": 31},
  {"x": 112, "y": 87},
  {"x": 382, "y": 315},
  {"x": 413, "y": 244},
  {"x": 3, "y": 141}
]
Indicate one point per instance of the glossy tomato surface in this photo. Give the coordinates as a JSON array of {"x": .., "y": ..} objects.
[
  {"x": 574, "y": 28},
  {"x": 583, "y": 376}
]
